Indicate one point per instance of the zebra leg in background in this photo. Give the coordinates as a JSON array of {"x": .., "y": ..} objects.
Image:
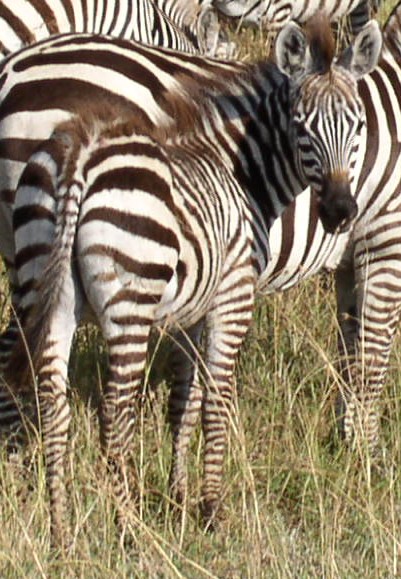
[
  {"x": 15, "y": 411},
  {"x": 55, "y": 417},
  {"x": 347, "y": 336},
  {"x": 184, "y": 406},
  {"x": 369, "y": 300},
  {"x": 9, "y": 337},
  {"x": 226, "y": 325}
]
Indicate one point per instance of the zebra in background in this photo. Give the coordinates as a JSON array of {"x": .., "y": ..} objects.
[
  {"x": 24, "y": 22},
  {"x": 200, "y": 17},
  {"x": 211, "y": 183},
  {"x": 274, "y": 14},
  {"x": 367, "y": 260}
]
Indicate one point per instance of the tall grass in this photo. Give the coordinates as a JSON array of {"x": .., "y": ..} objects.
[{"x": 296, "y": 503}]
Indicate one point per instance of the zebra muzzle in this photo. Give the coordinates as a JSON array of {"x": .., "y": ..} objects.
[{"x": 337, "y": 207}]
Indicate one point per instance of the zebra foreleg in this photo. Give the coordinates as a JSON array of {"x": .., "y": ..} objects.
[
  {"x": 184, "y": 406},
  {"x": 368, "y": 338}
]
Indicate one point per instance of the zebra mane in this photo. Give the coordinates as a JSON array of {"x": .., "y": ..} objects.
[
  {"x": 200, "y": 97},
  {"x": 321, "y": 42}
]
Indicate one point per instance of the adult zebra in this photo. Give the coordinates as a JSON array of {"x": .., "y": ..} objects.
[
  {"x": 24, "y": 22},
  {"x": 199, "y": 18},
  {"x": 210, "y": 181},
  {"x": 382, "y": 102},
  {"x": 276, "y": 13}
]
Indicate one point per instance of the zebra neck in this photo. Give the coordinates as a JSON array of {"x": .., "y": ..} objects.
[{"x": 266, "y": 164}]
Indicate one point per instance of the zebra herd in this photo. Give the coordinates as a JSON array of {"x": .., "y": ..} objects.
[
  {"x": 276, "y": 13},
  {"x": 227, "y": 178}
]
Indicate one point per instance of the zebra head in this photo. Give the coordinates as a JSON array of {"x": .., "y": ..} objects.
[{"x": 327, "y": 116}]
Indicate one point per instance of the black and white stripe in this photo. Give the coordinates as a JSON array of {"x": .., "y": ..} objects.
[
  {"x": 196, "y": 199},
  {"x": 23, "y": 22},
  {"x": 274, "y": 14}
]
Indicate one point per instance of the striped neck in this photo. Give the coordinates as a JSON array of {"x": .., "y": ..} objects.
[{"x": 256, "y": 123}]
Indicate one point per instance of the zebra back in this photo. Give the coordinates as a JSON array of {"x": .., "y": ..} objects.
[{"x": 23, "y": 22}]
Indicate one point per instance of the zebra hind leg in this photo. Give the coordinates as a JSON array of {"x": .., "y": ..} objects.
[
  {"x": 226, "y": 325},
  {"x": 184, "y": 407},
  {"x": 127, "y": 359},
  {"x": 55, "y": 417}
]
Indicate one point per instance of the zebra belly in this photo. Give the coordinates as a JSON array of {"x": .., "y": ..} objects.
[{"x": 186, "y": 300}]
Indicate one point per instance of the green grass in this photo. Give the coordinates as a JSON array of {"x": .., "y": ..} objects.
[{"x": 297, "y": 504}]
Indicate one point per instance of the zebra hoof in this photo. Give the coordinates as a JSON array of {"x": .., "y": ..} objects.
[{"x": 211, "y": 516}]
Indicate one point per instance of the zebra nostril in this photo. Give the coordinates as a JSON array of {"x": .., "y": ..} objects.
[
  {"x": 337, "y": 207},
  {"x": 337, "y": 213}
]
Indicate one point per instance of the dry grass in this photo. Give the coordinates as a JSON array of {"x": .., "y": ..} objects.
[{"x": 297, "y": 504}]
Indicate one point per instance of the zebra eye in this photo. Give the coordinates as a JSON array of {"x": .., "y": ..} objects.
[
  {"x": 360, "y": 126},
  {"x": 300, "y": 127},
  {"x": 299, "y": 123}
]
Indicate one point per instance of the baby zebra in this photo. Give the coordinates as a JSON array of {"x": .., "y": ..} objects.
[{"x": 169, "y": 228}]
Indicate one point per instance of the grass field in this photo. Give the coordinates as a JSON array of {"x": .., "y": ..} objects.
[{"x": 297, "y": 504}]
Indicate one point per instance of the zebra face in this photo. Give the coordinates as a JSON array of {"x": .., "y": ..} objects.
[
  {"x": 326, "y": 127},
  {"x": 326, "y": 114}
]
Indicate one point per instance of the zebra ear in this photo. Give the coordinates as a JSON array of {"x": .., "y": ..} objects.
[
  {"x": 291, "y": 49},
  {"x": 362, "y": 56},
  {"x": 208, "y": 29}
]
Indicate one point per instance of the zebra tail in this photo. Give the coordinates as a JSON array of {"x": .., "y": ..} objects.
[{"x": 27, "y": 355}]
